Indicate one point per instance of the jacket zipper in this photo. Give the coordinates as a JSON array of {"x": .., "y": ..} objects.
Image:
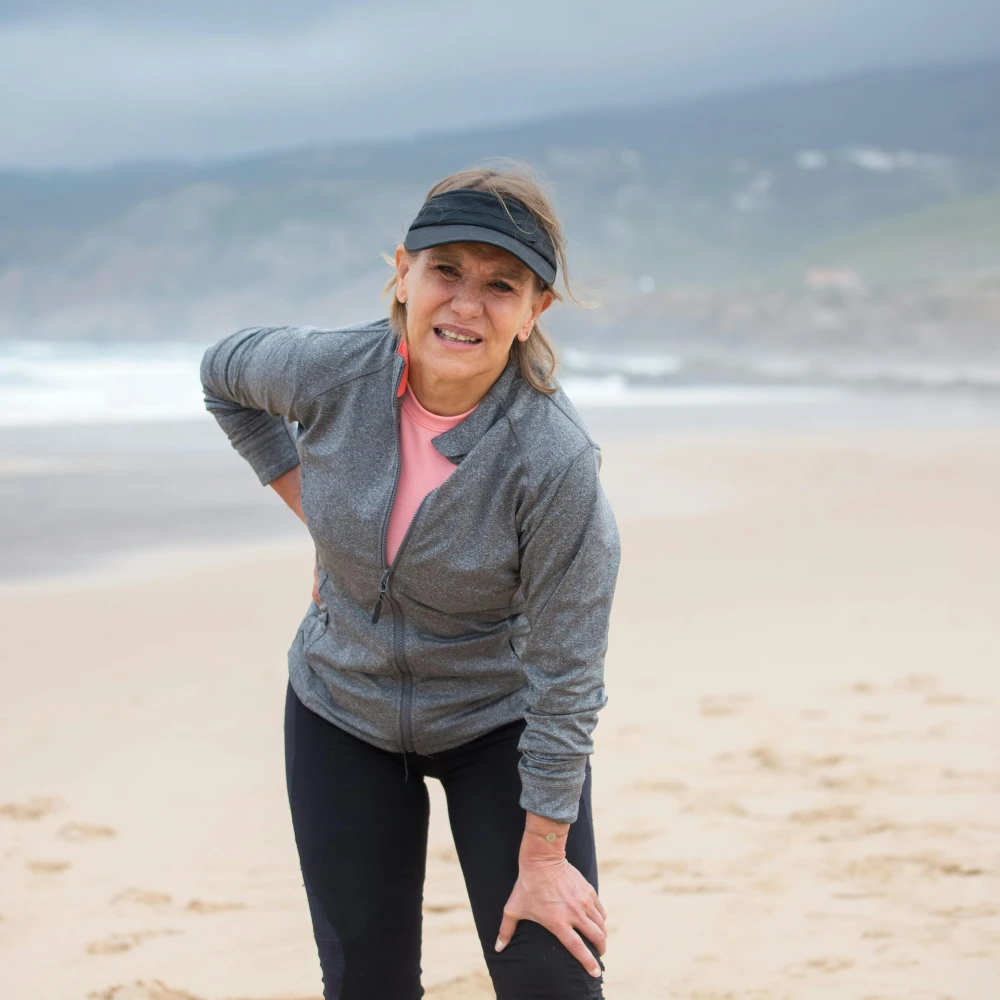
[
  {"x": 406, "y": 713},
  {"x": 406, "y": 706},
  {"x": 384, "y": 582}
]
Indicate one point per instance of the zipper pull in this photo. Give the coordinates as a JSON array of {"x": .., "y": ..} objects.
[{"x": 381, "y": 596}]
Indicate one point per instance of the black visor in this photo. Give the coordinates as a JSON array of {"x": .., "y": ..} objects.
[{"x": 467, "y": 216}]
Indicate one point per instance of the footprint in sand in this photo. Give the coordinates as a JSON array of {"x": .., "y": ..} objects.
[
  {"x": 767, "y": 759},
  {"x": 31, "y": 809},
  {"x": 713, "y": 804},
  {"x": 443, "y": 907},
  {"x": 826, "y": 760},
  {"x": 967, "y": 912},
  {"x": 643, "y": 872},
  {"x": 118, "y": 943},
  {"x": 141, "y": 897},
  {"x": 828, "y": 964},
  {"x": 203, "y": 906},
  {"x": 885, "y": 868},
  {"x": 877, "y": 934},
  {"x": 155, "y": 989},
  {"x": 635, "y": 836},
  {"x": 474, "y": 987},
  {"x": 724, "y": 704},
  {"x": 829, "y": 814},
  {"x": 151, "y": 989},
  {"x": 663, "y": 787},
  {"x": 692, "y": 888},
  {"x": 947, "y": 699},
  {"x": 42, "y": 867},
  {"x": 860, "y": 781},
  {"x": 917, "y": 683},
  {"x": 813, "y": 714},
  {"x": 80, "y": 832},
  {"x": 873, "y": 717}
]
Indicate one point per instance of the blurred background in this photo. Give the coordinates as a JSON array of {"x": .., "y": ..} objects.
[
  {"x": 788, "y": 213},
  {"x": 775, "y": 204}
]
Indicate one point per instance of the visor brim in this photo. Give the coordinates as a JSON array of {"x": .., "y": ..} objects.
[{"x": 436, "y": 236}]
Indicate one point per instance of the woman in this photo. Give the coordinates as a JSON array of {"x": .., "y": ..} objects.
[{"x": 466, "y": 563}]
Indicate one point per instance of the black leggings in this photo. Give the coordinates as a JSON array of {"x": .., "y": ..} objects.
[{"x": 360, "y": 822}]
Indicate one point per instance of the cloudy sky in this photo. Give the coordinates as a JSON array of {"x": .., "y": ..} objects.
[{"x": 90, "y": 83}]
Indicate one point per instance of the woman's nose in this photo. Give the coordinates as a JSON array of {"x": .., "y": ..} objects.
[{"x": 468, "y": 299}]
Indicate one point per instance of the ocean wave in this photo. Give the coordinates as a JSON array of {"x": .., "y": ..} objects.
[
  {"x": 887, "y": 372},
  {"x": 614, "y": 390},
  {"x": 650, "y": 365},
  {"x": 80, "y": 383},
  {"x": 51, "y": 383}
]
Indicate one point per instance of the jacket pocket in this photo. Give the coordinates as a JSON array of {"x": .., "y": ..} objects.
[
  {"x": 322, "y": 579},
  {"x": 315, "y": 626}
]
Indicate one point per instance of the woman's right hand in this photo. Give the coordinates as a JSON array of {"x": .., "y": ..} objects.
[{"x": 289, "y": 487}]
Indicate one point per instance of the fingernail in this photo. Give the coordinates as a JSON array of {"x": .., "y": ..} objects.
[
  {"x": 499, "y": 945},
  {"x": 596, "y": 970}
]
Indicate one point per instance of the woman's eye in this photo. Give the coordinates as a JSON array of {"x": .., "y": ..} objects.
[
  {"x": 447, "y": 269},
  {"x": 502, "y": 286}
]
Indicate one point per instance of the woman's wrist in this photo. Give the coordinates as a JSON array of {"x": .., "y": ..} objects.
[{"x": 544, "y": 839}]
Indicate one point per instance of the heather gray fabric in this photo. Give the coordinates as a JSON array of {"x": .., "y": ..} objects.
[{"x": 497, "y": 604}]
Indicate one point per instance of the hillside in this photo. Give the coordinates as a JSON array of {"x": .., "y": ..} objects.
[{"x": 894, "y": 175}]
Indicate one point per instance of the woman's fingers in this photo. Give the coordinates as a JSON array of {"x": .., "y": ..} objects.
[
  {"x": 566, "y": 905},
  {"x": 598, "y": 918},
  {"x": 594, "y": 932},
  {"x": 596, "y": 913},
  {"x": 573, "y": 943},
  {"x": 507, "y": 926}
]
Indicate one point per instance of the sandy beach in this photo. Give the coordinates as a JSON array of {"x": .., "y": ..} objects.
[{"x": 797, "y": 777}]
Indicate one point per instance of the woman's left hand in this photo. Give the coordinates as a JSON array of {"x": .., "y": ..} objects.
[{"x": 550, "y": 891}]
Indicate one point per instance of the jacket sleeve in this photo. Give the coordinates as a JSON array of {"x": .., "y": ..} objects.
[
  {"x": 253, "y": 384},
  {"x": 570, "y": 553}
]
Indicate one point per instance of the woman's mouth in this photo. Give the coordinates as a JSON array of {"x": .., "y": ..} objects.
[{"x": 456, "y": 337}]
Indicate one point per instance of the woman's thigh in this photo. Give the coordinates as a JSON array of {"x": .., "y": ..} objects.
[
  {"x": 483, "y": 789},
  {"x": 361, "y": 831}
]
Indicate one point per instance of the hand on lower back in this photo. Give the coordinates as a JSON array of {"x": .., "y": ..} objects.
[
  {"x": 289, "y": 487},
  {"x": 554, "y": 894}
]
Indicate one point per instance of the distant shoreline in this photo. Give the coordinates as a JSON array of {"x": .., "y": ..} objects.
[{"x": 75, "y": 496}]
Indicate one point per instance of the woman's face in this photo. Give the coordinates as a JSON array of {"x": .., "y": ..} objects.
[{"x": 466, "y": 303}]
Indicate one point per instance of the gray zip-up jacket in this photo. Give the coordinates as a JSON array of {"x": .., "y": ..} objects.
[{"x": 496, "y": 605}]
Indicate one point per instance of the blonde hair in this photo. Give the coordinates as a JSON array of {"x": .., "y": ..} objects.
[{"x": 536, "y": 356}]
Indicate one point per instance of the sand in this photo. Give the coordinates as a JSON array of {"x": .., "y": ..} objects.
[{"x": 797, "y": 777}]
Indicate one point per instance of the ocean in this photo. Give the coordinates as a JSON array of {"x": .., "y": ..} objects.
[
  {"x": 107, "y": 448},
  {"x": 58, "y": 383}
]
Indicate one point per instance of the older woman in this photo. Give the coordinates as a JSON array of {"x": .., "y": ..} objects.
[{"x": 466, "y": 563}]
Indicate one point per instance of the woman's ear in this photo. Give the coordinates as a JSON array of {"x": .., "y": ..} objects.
[
  {"x": 402, "y": 269},
  {"x": 541, "y": 303}
]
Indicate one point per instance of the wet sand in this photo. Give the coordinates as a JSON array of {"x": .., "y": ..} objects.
[{"x": 797, "y": 777}]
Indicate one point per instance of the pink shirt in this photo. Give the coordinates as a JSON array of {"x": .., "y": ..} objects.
[{"x": 422, "y": 467}]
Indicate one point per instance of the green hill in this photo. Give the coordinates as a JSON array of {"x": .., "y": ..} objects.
[{"x": 895, "y": 174}]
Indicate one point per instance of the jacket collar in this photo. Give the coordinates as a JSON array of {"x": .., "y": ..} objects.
[{"x": 456, "y": 443}]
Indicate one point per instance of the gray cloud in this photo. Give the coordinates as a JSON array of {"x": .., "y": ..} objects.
[
  {"x": 234, "y": 15},
  {"x": 84, "y": 84}
]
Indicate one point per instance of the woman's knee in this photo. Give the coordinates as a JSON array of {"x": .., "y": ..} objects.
[{"x": 537, "y": 966}]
